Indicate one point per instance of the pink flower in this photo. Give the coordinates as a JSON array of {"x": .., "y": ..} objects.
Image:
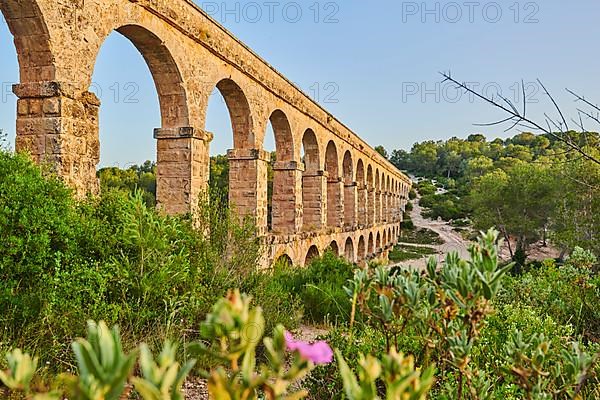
[{"x": 318, "y": 352}]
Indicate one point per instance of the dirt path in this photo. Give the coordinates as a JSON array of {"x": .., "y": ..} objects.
[{"x": 453, "y": 241}]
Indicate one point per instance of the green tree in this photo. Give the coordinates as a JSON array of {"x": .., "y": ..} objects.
[
  {"x": 381, "y": 150},
  {"x": 478, "y": 166},
  {"x": 577, "y": 218},
  {"x": 520, "y": 202},
  {"x": 401, "y": 159},
  {"x": 424, "y": 157}
]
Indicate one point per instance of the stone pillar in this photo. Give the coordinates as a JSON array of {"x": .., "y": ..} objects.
[
  {"x": 390, "y": 207},
  {"x": 350, "y": 205},
  {"x": 335, "y": 202},
  {"x": 287, "y": 197},
  {"x": 314, "y": 200},
  {"x": 58, "y": 124},
  {"x": 384, "y": 207},
  {"x": 377, "y": 207},
  {"x": 362, "y": 205},
  {"x": 182, "y": 168},
  {"x": 248, "y": 185},
  {"x": 371, "y": 209}
]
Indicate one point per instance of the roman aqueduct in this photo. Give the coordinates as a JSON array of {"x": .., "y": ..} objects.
[{"x": 330, "y": 189}]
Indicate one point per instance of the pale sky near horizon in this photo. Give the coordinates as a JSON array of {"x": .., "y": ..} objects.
[{"x": 373, "y": 65}]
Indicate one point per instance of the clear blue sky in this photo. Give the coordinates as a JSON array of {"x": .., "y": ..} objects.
[{"x": 369, "y": 58}]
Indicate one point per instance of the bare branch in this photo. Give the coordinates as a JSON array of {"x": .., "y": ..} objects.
[{"x": 523, "y": 120}]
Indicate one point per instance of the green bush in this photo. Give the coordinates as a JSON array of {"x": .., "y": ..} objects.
[
  {"x": 426, "y": 188},
  {"x": 112, "y": 258},
  {"x": 567, "y": 293},
  {"x": 325, "y": 382},
  {"x": 319, "y": 287},
  {"x": 407, "y": 224}
]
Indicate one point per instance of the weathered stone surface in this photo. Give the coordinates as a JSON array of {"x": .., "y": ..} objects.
[{"x": 329, "y": 187}]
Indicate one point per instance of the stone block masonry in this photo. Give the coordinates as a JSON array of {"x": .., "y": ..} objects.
[{"x": 322, "y": 197}]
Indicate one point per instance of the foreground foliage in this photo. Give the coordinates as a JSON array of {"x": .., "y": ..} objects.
[
  {"x": 453, "y": 317},
  {"x": 231, "y": 334}
]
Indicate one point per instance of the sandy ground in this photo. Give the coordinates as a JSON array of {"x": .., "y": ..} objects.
[{"x": 455, "y": 242}]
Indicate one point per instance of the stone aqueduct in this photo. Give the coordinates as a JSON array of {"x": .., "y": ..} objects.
[{"x": 338, "y": 193}]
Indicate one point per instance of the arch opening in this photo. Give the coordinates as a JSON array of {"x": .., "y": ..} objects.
[
  {"x": 333, "y": 247},
  {"x": 313, "y": 252},
  {"x": 9, "y": 70},
  {"x": 362, "y": 195},
  {"x": 349, "y": 192},
  {"x": 370, "y": 208},
  {"x": 349, "y": 250},
  {"x": 334, "y": 187},
  {"x": 312, "y": 183},
  {"x": 155, "y": 97},
  {"x": 281, "y": 196},
  {"x": 283, "y": 261},
  {"x": 362, "y": 249},
  {"x": 240, "y": 171}
]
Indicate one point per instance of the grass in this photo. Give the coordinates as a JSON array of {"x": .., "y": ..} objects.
[
  {"x": 405, "y": 253},
  {"x": 421, "y": 236}
]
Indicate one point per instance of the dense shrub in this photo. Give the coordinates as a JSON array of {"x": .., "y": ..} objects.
[
  {"x": 445, "y": 206},
  {"x": 113, "y": 258},
  {"x": 407, "y": 224},
  {"x": 319, "y": 286},
  {"x": 570, "y": 294},
  {"x": 324, "y": 382},
  {"x": 426, "y": 188}
]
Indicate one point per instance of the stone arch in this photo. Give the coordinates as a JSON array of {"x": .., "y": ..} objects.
[
  {"x": 350, "y": 204},
  {"x": 284, "y": 260},
  {"x": 173, "y": 184},
  {"x": 314, "y": 184},
  {"x": 247, "y": 164},
  {"x": 165, "y": 72},
  {"x": 311, "y": 254},
  {"x": 239, "y": 113},
  {"x": 370, "y": 196},
  {"x": 285, "y": 197},
  {"x": 362, "y": 249},
  {"x": 387, "y": 200},
  {"x": 384, "y": 239},
  {"x": 31, "y": 38},
  {"x": 362, "y": 198},
  {"x": 284, "y": 141},
  {"x": 378, "y": 242},
  {"x": 349, "y": 250},
  {"x": 334, "y": 187},
  {"x": 312, "y": 154},
  {"x": 334, "y": 248},
  {"x": 371, "y": 244},
  {"x": 377, "y": 197}
]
